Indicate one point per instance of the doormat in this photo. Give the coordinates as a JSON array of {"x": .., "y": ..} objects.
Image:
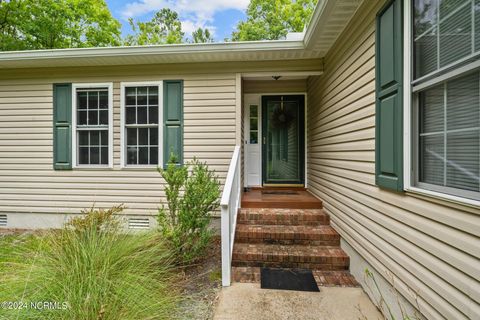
[
  {"x": 288, "y": 279},
  {"x": 289, "y": 192}
]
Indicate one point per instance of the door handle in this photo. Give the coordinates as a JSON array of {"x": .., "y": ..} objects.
[{"x": 264, "y": 140}]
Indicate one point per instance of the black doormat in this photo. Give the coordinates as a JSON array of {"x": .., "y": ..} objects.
[{"x": 288, "y": 279}]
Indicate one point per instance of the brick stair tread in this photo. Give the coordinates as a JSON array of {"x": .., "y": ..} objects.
[
  {"x": 340, "y": 278},
  {"x": 246, "y": 252},
  {"x": 283, "y": 216},
  {"x": 286, "y": 232}
]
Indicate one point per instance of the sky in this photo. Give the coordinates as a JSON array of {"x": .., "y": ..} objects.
[{"x": 219, "y": 16}]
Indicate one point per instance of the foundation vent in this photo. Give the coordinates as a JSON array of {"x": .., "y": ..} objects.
[
  {"x": 138, "y": 223},
  {"x": 3, "y": 220}
]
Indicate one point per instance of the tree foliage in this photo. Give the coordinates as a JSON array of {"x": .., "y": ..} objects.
[
  {"x": 164, "y": 28},
  {"x": 48, "y": 24},
  {"x": 273, "y": 19},
  {"x": 202, "y": 36}
]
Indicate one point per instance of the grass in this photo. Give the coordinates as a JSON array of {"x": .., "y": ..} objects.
[{"x": 88, "y": 273}]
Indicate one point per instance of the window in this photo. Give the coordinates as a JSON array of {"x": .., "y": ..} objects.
[
  {"x": 253, "y": 124},
  {"x": 142, "y": 132},
  {"x": 446, "y": 96},
  {"x": 92, "y": 139}
]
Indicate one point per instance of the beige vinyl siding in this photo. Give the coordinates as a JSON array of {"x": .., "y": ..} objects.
[
  {"x": 28, "y": 184},
  {"x": 274, "y": 86},
  {"x": 428, "y": 248}
]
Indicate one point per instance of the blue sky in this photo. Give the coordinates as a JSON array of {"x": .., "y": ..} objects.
[{"x": 219, "y": 16}]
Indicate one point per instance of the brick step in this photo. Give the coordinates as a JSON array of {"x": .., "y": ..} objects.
[
  {"x": 294, "y": 217},
  {"x": 293, "y": 198},
  {"x": 323, "y": 278},
  {"x": 279, "y": 234},
  {"x": 289, "y": 256}
]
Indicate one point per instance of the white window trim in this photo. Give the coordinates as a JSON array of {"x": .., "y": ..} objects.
[
  {"x": 75, "y": 86},
  {"x": 407, "y": 117},
  {"x": 123, "y": 148}
]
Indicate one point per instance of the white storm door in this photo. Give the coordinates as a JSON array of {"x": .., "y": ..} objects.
[{"x": 252, "y": 135}]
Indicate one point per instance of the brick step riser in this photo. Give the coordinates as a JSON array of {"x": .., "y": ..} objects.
[
  {"x": 283, "y": 265},
  {"x": 272, "y": 240},
  {"x": 283, "y": 220},
  {"x": 282, "y": 205}
]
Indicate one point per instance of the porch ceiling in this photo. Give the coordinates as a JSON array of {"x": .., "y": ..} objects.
[{"x": 328, "y": 21}]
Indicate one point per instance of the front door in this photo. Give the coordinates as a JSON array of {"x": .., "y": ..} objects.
[{"x": 283, "y": 139}]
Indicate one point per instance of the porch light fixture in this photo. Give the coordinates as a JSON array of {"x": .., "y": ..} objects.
[{"x": 276, "y": 77}]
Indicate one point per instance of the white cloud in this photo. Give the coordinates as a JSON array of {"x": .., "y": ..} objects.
[{"x": 193, "y": 14}]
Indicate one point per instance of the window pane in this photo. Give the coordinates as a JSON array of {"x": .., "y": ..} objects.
[
  {"x": 131, "y": 136},
  {"x": 463, "y": 160},
  {"x": 253, "y": 124},
  {"x": 432, "y": 159},
  {"x": 131, "y": 115},
  {"x": 153, "y": 99},
  {"x": 82, "y": 117},
  {"x": 94, "y": 155},
  {"x": 141, "y": 115},
  {"x": 153, "y": 155},
  {"x": 130, "y": 96},
  {"x": 152, "y": 115},
  {"x": 83, "y": 138},
  {"x": 104, "y": 138},
  {"x": 103, "y": 99},
  {"x": 94, "y": 138},
  {"x": 142, "y": 96},
  {"x": 456, "y": 36},
  {"x": 131, "y": 155},
  {"x": 93, "y": 100},
  {"x": 104, "y": 155},
  {"x": 143, "y": 155},
  {"x": 431, "y": 109},
  {"x": 462, "y": 102},
  {"x": 82, "y": 100},
  {"x": 253, "y": 137},
  {"x": 83, "y": 155},
  {"x": 154, "y": 136},
  {"x": 426, "y": 53},
  {"x": 104, "y": 117},
  {"x": 92, "y": 117},
  {"x": 143, "y": 136}
]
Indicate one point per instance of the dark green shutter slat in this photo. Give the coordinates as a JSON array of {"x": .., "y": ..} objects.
[
  {"x": 62, "y": 126},
  {"x": 389, "y": 99},
  {"x": 173, "y": 119}
]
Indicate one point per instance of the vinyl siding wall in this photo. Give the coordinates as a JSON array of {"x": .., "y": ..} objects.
[
  {"x": 428, "y": 248},
  {"x": 28, "y": 183}
]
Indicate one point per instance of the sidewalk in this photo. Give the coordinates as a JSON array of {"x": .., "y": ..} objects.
[{"x": 248, "y": 301}]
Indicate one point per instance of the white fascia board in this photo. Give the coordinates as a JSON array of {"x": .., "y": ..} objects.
[{"x": 171, "y": 49}]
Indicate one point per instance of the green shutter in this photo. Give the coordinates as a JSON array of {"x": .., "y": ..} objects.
[
  {"x": 389, "y": 100},
  {"x": 173, "y": 119},
  {"x": 62, "y": 126}
]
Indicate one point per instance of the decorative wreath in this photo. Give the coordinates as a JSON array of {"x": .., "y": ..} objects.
[{"x": 281, "y": 118}]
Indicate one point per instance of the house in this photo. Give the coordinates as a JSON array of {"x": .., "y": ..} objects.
[{"x": 374, "y": 111}]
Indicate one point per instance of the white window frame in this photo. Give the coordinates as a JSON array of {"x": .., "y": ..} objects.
[
  {"x": 123, "y": 140},
  {"x": 75, "y": 86},
  {"x": 408, "y": 161}
]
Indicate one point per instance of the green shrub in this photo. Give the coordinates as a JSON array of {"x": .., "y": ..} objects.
[
  {"x": 192, "y": 193},
  {"x": 93, "y": 271}
]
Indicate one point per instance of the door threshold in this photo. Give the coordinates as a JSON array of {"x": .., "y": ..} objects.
[{"x": 283, "y": 185}]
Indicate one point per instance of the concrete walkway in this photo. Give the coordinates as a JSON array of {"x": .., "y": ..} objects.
[{"x": 248, "y": 301}]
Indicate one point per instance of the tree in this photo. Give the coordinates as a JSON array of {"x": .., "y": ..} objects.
[
  {"x": 202, "y": 36},
  {"x": 49, "y": 24},
  {"x": 273, "y": 19},
  {"x": 164, "y": 28}
]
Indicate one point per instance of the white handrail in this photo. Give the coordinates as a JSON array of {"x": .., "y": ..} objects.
[{"x": 229, "y": 204}]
